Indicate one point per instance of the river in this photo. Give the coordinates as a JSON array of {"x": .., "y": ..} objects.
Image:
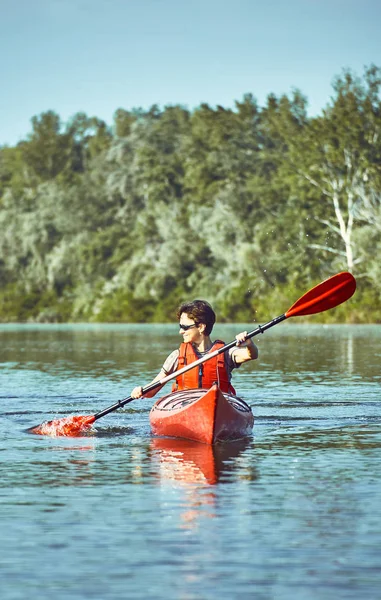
[{"x": 293, "y": 512}]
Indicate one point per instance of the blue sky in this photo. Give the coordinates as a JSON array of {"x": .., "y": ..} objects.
[{"x": 99, "y": 55}]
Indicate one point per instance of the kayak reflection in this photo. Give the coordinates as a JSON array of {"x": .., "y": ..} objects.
[
  {"x": 198, "y": 468},
  {"x": 194, "y": 462}
]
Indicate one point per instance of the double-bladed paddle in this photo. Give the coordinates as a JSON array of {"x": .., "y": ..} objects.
[{"x": 324, "y": 296}]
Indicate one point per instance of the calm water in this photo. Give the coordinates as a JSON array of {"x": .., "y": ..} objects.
[{"x": 292, "y": 513}]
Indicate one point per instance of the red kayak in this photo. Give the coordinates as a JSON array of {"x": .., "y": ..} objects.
[{"x": 207, "y": 416}]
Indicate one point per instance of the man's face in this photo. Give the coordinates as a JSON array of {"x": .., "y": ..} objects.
[{"x": 190, "y": 330}]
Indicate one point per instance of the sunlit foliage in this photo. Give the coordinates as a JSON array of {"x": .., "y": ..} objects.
[{"x": 246, "y": 207}]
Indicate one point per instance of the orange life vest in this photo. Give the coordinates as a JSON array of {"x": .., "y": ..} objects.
[{"x": 204, "y": 375}]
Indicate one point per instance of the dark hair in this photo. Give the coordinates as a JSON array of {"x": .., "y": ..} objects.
[{"x": 200, "y": 311}]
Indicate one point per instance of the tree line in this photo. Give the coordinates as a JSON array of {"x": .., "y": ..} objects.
[{"x": 247, "y": 207}]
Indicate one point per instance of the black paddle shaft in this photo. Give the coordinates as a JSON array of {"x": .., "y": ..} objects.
[{"x": 161, "y": 382}]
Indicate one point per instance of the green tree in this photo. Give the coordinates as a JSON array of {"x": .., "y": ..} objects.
[
  {"x": 47, "y": 149},
  {"x": 340, "y": 156}
]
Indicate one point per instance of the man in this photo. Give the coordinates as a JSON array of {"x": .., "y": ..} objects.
[{"x": 196, "y": 321}]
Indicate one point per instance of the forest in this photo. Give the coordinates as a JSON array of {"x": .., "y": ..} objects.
[{"x": 246, "y": 207}]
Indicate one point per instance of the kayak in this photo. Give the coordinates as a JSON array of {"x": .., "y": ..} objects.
[{"x": 202, "y": 415}]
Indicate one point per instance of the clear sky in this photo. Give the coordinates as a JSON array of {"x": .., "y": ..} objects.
[{"x": 96, "y": 56}]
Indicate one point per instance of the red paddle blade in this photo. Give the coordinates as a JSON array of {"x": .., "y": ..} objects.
[
  {"x": 326, "y": 295},
  {"x": 68, "y": 426}
]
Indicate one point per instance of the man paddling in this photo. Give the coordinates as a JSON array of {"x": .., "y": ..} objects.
[
  {"x": 196, "y": 321},
  {"x": 324, "y": 296}
]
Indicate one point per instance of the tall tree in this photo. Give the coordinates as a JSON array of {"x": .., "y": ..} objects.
[
  {"x": 340, "y": 156},
  {"x": 47, "y": 149}
]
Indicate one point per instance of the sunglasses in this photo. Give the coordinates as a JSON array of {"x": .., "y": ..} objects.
[{"x": 186, "y": 327}]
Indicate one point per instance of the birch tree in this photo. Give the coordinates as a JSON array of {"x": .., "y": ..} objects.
[{"x": 339, "y": 155}]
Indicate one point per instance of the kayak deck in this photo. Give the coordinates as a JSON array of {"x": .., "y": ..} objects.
[{"x": 203, "y": 415}]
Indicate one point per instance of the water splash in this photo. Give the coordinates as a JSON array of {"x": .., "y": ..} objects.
[{"x": 68, "y": 426}]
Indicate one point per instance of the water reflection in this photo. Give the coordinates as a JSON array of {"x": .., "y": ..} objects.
[
  {"x": 350, "y": 355},
  {"x": 352, "y": 437},
  {"x": 66, "y": 463},
  {"x": 96, "y": 460},
  {"x": 112, "y": 350},
  {"x": 192, "y": 462},
  {"x": 197, "y": 468},
  {"x": 117, "y": 351}
]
